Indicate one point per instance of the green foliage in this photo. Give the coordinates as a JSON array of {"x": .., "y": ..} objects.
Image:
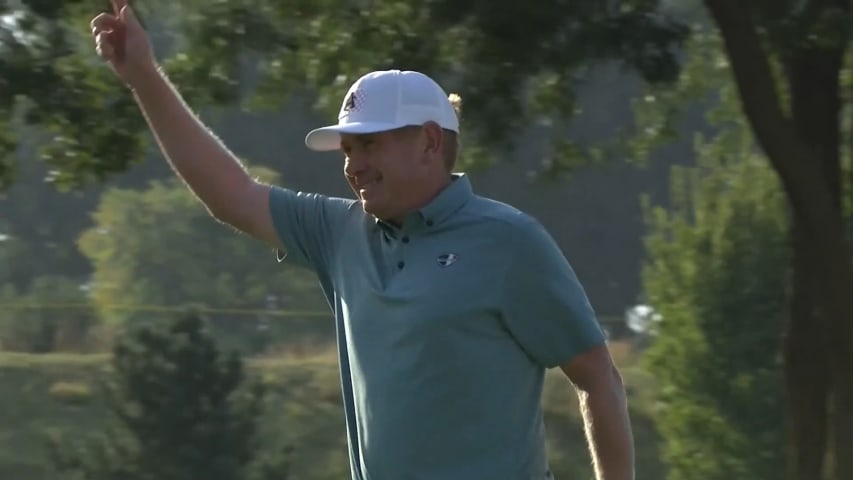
[
  {"x": 703, "y": 84},
  {"x": 515, "y": 66},
  {"x": 26, "y": 327},
  {"x": 718, "y": 275},
  {"x": 93, "y": 124},
  {"x": 183, "y": 409},
  {"x": 145, "y": 245}
]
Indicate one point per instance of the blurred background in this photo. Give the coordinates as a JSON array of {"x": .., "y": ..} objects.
[{"x": 691, "y": 159}]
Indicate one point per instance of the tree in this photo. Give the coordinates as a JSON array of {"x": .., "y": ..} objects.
[
  {"x": 516, "y": 64},
  {"x": 44, "y": 83},
  {"x": 786, "y": 59},
  {"x": 183, "y": 409},
  {"x": 717, "y": 273},
  {"x": 145, "y": 245},
  {"x": 786, "y": 62}
]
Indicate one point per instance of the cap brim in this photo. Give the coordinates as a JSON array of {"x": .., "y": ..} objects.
[{"x": 328, "y": 138}]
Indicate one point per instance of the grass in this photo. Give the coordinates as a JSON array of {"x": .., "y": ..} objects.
[{"x": 44, "y": 394}]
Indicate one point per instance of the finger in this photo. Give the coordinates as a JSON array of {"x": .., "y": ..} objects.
[
  {"x": 102, "y": 22},
  {"x": 118, "y": 5},
  {"x": 111, "y": 42},
  {"x": 127, "y": 15},
  {"x": 118, "y": 38},
  {"x": 103, "y": 38},
  {"x": 105, "y": 51}
]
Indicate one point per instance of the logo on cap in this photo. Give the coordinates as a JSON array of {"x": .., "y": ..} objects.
[{"x": 349, "y": 104}]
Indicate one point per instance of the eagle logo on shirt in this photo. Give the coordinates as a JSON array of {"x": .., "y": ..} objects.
[{"x": 447, "y": 259}]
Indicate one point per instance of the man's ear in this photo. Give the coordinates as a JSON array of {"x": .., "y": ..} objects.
[{"x": 434, "y": 138}]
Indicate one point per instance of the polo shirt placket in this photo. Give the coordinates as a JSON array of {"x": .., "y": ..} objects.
[{"x": 397, "y": 242}]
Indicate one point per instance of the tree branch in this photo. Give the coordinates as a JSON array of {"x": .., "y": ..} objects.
[
  {"x": 775, "y": 133},
  {"x": 798, "y": 166},
  {"x": 814, "y": 82}
]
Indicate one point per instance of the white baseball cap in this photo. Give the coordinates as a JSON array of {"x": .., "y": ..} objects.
[{"x": 386, "y": 100}]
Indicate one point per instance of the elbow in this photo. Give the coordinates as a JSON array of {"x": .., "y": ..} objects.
[
  {"x": 222, "y": 212},
  {"x": 614, "y": 381},
  {"x": 616, "y": 387},
  {"x": 595, "y": 373},
  {"x": 616, "y": 378},
  {"x": 609, "y": 384}
]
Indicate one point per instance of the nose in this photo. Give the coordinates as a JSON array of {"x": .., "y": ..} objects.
[{"x": 354, "y": 165}]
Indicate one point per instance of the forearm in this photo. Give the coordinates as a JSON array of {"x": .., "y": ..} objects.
[
  {"x": 608, "y": 430},
  {"x": 210, "y": 170}
]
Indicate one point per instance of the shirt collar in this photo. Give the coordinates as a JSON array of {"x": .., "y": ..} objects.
[{"x": 442, "y": 207}]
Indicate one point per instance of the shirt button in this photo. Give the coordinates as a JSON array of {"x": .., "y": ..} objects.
[
  {"x": 400, "y": 265},
  {"x": 405, "y": 239},
  {"x": 429, "y": 223}
]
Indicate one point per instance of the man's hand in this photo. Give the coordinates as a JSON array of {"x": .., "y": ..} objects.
[
  {"x": 605, "y": 411},
  {"x": 121, "y": 41}
]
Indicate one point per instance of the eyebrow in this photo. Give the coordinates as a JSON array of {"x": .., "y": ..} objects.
[{"x": 356, "y": 138}]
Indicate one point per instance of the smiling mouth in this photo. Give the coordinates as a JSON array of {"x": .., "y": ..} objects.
[{"x": 368, "y": 185}]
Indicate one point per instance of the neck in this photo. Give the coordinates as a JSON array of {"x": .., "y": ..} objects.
[{"x": 432, "y": 191}]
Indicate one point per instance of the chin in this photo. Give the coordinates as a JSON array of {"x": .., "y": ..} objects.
[
  {"x": 376, "y": 210},
  {"x": 368, "y": 207}
]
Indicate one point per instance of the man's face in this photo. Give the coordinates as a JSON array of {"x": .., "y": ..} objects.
[{"x": 388, "y": 170}]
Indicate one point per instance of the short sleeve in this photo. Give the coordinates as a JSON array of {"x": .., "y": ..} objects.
[
  {"x": 309, "y": 226},
  {"x": 545, "y": 306}
]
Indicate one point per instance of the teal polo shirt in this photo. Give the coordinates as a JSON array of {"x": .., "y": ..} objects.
[{"x": 445, "y": 327}]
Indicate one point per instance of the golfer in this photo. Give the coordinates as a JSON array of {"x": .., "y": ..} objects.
[{"x": 449, "y": 306}]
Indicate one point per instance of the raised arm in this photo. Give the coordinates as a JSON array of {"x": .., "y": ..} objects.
[
  {"x": 204, "y": 163},
  {"x": 209, "y": 169}
]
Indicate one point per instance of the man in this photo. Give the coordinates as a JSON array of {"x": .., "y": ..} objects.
[{"x": 449, "y": 306}]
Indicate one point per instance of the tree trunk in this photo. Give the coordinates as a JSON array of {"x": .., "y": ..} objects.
[
  {"x": 805, "y": 155},
  {"x": 813, "y": 78},
  {"x": 842, "y": 420},
  {"x": 806, "y": 365}
]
